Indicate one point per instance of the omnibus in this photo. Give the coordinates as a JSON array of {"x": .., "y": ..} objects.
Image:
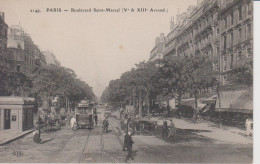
[{"x": 84, "y": 114}]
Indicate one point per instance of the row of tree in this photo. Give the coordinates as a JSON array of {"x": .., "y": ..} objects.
[
  {"x": 46, "y": 83},
  {"x": 170, "y": 77}
]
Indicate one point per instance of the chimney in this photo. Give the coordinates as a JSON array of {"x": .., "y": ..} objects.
[
  {"x": 172, "y": 23},
  {"x": 162, "y": 37},
  {"x": 2, "y": 15}
]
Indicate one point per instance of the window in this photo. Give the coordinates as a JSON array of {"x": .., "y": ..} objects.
[
  {"x": 249, "y": 53},
  {"x": 232, "y": 18},
  {"x": 248, "y": 32},
  {"x": 18, "y": 68},
  {"x": 225, "y": 61},
  {"x": 19, "y": 45},
  {"x": 225, "y": 42},
  {"x": 225, "y": 22},
  {"x": 249, "y": 11},
  {"x": 231, "y": 39},
  {"x": 240, "y": 13},
  {"x": 231, "y": 62},
  {"x": 13, "y": 118},
  {"x": 240, "y": 33},
  {"x": 239, "y": 56}
]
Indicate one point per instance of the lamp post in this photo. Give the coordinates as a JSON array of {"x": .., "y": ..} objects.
[{"x": 219, "y": 105}]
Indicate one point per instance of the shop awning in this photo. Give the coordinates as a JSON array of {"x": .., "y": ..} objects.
[
  {"x": 235, "y": 101},
  {"x": 191, "y": 103},
  {"x": 211, "y": 100}
]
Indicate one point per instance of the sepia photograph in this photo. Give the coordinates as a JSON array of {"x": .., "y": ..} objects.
[{"x": 140, "y": 81}]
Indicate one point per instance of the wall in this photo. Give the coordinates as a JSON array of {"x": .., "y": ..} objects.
[{"x": 15, "y": 110}]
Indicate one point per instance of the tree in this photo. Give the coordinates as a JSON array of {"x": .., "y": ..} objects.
[
  {"x": 173, "y": 77},
  {"x": 51, "y": 80},
  {"x": 14, "y": 83},
  {"x": 141, "y": 80},
  {"x": 242, "y": 75},
  {"x": 200, "y": 75}
]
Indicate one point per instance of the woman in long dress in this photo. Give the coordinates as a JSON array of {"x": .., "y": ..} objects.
[{"x": 172, "y": 132}]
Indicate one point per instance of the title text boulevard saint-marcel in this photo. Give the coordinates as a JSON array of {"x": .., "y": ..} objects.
[{"x": 118, "y": 10}]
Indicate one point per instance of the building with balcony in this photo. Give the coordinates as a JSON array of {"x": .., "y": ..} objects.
[
  {"x": 22, "y": 54},
  {"x": 221, "y": 29},
  {"x": 3, "y": 39},
  {"x": 159, "y": 48},
  {"x": 196, "y": 32},
  {"x": 236, "y": 36}
]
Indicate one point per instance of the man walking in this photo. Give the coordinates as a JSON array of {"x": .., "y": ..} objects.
[
  {"x": 105, "y": 125},
  {"x": 165, "y": 128},
  {"x": 96, "y": 118},
  {"x": 128, "y": 145}
]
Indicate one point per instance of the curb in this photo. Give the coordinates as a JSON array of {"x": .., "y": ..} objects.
[{"x": 15, "y": 138}]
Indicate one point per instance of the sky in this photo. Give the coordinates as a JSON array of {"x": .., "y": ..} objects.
[{"x": 98, "y": 46}]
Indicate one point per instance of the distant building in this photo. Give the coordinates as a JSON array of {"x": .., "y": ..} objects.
[
  {"x": 39, "y": 58},
  {"x": 50, "y": 58},
  {"x": 159, "y": 48},
  {"x": 3, "y": 39},
  {"x": 22, "y": 54}
]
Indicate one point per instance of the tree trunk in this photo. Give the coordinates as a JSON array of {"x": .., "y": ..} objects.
[
  {"x": 179, "y": 99},
  {"x": 140, "y": 104},
  {"x": 134, "y": 101},
  {"x": 168, "y": 106},
  {"x": 219, "y": 107},
  {"x": 196, "y": 103},
  {"x": 148, "y": 105}
]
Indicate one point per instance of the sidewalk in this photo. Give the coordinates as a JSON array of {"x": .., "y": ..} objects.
[
  {"x": 225, "y": 134},
  {"x": 7, "y": 136}
]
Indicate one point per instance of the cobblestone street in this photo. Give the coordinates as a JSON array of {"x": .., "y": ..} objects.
[{"x": 85, "y": 145}]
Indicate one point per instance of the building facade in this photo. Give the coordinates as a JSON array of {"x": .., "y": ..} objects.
[
  {"x": 236, "y": 36},
  {"x": 3, "y": 39},
  {"x": 159, "y": 48},
  {"x": 50, "y": 58},
  {"x": 220, "y": 29},
  {"x": 23, "y": 55},
  {"x": 196, "y": 32}
]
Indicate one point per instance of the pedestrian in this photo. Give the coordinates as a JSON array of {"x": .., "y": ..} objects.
[
  {"x": 128, "y": 121},
  {"x": 128, "y": 146},
  {"x": 95, "y": 110},
  {"x": 134, "y": 123},
  {"x": 40, "y": 122},
  {"x": 105, "y": 125},
  {"x": 180, "y": 114},
  {"x": 36, "y": 133},
  {"x": 96, "y": 118},
  {"x": 165, "y": 128},
  {"x": 73, "y": 123},
  {"x": 249, "y": 128},
  {"x": 172, "y": 130}
]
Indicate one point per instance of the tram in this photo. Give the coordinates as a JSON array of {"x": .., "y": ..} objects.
[{"x": 84, "y": 114}]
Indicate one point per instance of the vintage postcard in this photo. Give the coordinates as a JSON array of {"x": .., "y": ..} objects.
[{"x": 116, "y": 81}]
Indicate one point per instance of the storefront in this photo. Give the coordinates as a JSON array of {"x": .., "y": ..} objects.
[
  {"x": 235, "y": 107},
  {"x": 16, "y": 113}
]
